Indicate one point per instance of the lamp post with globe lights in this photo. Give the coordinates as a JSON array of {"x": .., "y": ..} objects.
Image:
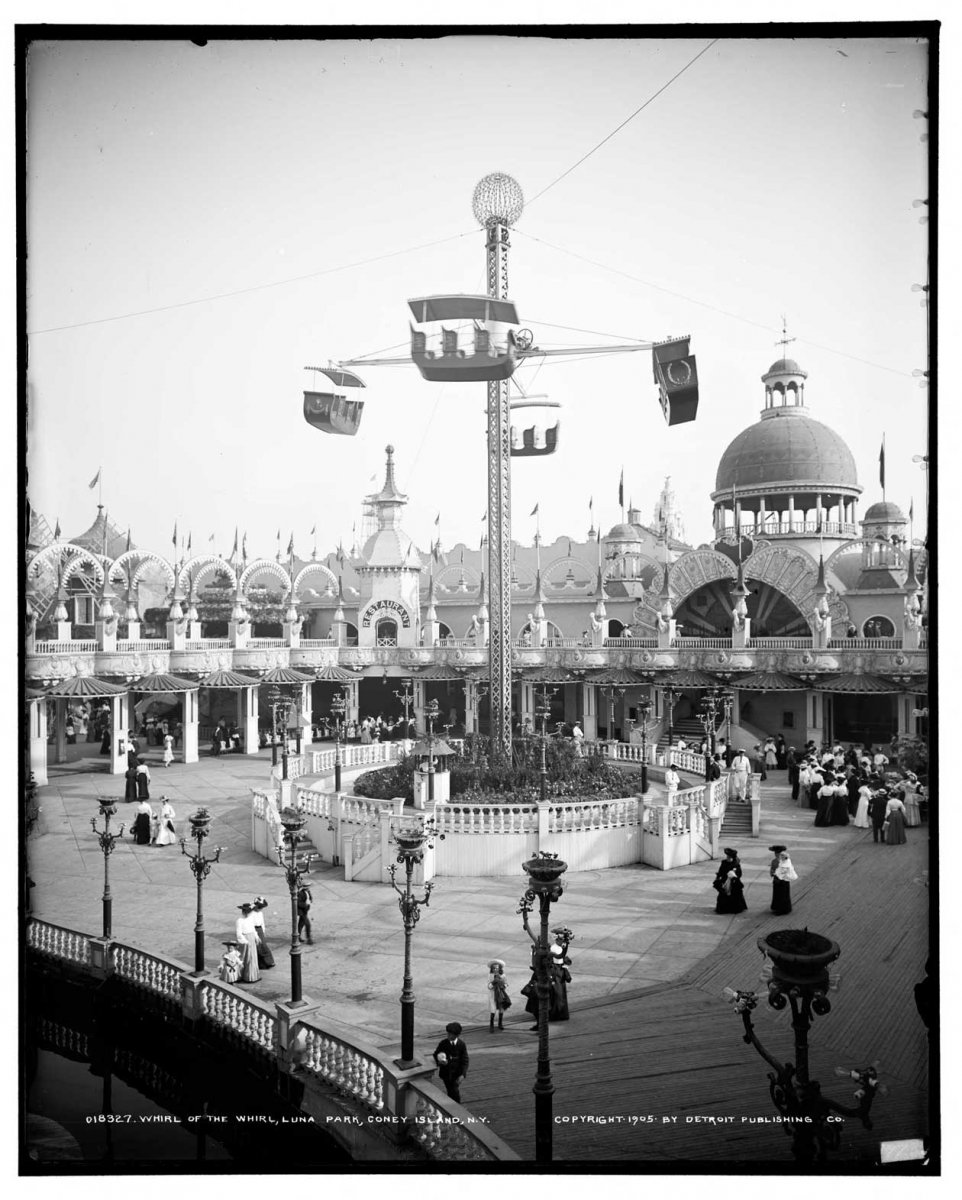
[
  {"x": 405, "y": 696},
  {"x": 200, "y": 824},
  {"x": 430, "y": 716},
  {"x": 544, "y": 888},
  {"x": 106, "y": 839},
  {"x": 293, "y": 822},
  {"x": 411, "y": 840},
  {"x": 543, "y": 712},
  {"x": 338, "y": 708}
]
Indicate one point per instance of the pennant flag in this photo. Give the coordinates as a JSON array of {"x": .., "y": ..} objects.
[
  {"x": 818, "y": 524},
  {"x": 278, "y": 535},
  {"x": 621, "y": 489},
  {"x": 96, "y": 479},
  {"x": 174, "y": 538},
  {"x": 881, "y": 464},
  {"x": 912, "y": 509},
  {"x": 128, "y": 538},
  {"x": 290, "y": 544},
  {"x": 56, "y": 532},
  {"x": 313, "y": 531},
  {"x": 190, "y": 538},
  {"x": 534, "y": 511},
  {"x": 437, "y": 519},
  {"x": 484, "y": 517},
  {"x": 244, "y": 545},
  {"x": 481, "y": 546},
  {"x": 340, "y": 554},
  {"x": 436, "y": 551},
  {"x": 591, "y": 504},
  {"x": 462, "y": 558},
  {"x": 210, "y": 539},
  {"x": 234, "y": 551}
]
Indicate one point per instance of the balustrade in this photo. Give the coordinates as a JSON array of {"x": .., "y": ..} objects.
[
  {"x": 239, "y": 1014},
  {"x": 864, "y": 643},
  {"x": 66, "y": 647},
  {"x": 628, "y": 643},
  {"x": 442, "y": 1138},
  {"x": 129, "y": 646},
  {"x": 261, "y": 643},
  {"x": 147, "y": 971},
  {"x": 208, "y": 644},
  {"x": 316, "y": 643},
  {"x": 348, "y": 1070},
  {"x": 56, "y": 942}
]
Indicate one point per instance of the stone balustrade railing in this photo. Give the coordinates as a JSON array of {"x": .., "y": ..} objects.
[
  {"x": 208, "y": 643},
  {"x": 486, "y": 818},
  {"x": 865, "y": 643},
  {"x": 339, "y": 1071},
  {"x": 148, "y": 971},
  {"x": 56, "y": 942},
  {"x": 230, "y": 1009},
  {"x": 780, "y": 643},
  {"x": 688, "y": 760},
  {"x": 65, "y": 647},
  {"x": 629, "y": 643},
  {"x": 316, "y": 643},
  {"x": 593, "y": 815},
  {"x": 131, "y": 646}
]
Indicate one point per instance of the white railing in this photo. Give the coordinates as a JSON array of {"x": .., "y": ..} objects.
[
  {"x": 445, "y": 1139},
  {"x": 208, "y": 644},
  {"x": 55, "y": 942},
  {"x": 486, "y": 818},
  {"x": 66, "y": 647},
  {"x": 238, "y": 1013},
  {"x": 129, "y": 646},
  {"x": 147, "y": 971},
  {"x": 688, "y": 760},
  {"x": 866, "y": 643},
  {"x": 704, "y": 643},
  {"x": 768, "y": 527},
  {"x": 316, "y": 643},
  {"x": 267, "y": 643},
  {"x": 386, "y": 643},
  {"x": 592, "y": 815},
  {"x": 347, "y": 1069},
  {"x": 641, "y": 643},
  {"x": 780, "y": 643}
]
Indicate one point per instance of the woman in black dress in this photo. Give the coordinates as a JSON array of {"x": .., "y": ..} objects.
[
  {"x": 783, "y": 874},
  {"x": 728, "y": 884},
  {"x": 826, "y": 797},
  {"x": 130, "y": 785}
]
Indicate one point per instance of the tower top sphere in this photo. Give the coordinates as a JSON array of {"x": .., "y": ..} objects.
[{"x": 497, "y": 200}]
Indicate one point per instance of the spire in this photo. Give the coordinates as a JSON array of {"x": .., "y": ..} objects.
[
  {"x": 432, "y": 614},
  {"x": 482, "y": 600}
]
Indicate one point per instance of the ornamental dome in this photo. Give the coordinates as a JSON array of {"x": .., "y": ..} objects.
[
  {"x": 885, "y": 510},
  {"x": 786, "y": 366},
  {"x": 786, "y": 447},
  {"x": 622, "y": 532}
]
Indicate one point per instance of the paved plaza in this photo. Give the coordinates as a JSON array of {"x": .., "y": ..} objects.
[{"x": 650, "y": 955}]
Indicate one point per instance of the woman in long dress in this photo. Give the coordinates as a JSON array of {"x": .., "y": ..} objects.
[
  {"x": 826, "y": 796},
  {"x": 130, "y": 785},
  {"x": 895, "y": 822},
  {"x": 143, "y": 780},
  {"x": 862, "y": 820},
  {"x": 165, "y": 829},
  {"x": 838, "y": 814},
  {"x": 728, "y": 884},
  {"x": 168, "y": 749},
  {"x": 142, "y": 822},
  {"x": 910, "y": 798},
  {"x": 265, "y": 957},
  {"x": 246, "y": 933},
  {"x": 771, "y": 756},
  {"x": 783, "y": 875}
]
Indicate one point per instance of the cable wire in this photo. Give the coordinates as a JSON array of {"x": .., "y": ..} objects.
[
  {"x": 651, "y": 98},
  {"x": 260, "y": 287}
]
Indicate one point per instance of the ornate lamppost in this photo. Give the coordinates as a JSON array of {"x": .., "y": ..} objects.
[
  {"x": 405, "y": 696},
  {"x": 338, "y": 708},
  {"x": 280, "y": 710},
  {"x": 106, "y": 839},
  {"x": 543, "y": 712},
  {"x": 728, "y": 700},
  {"x": 430, "y": 716},
  {"x": 544, "y": 886},
  {"x": 199, "y": 829},
  {"x": 670, "y": 702},
  {"x": 800, "y": 977},
  {"x": 294, "y": 869},
  {"x": 644, "y": 711},
  {"x": 411, "y": 840},
  {"x": 709, "y": 720}
]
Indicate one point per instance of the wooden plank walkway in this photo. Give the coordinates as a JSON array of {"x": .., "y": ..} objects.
[{"x": 675, "y": 1051}]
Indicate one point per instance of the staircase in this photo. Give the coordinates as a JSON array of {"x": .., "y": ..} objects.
[
  {"x": 690, "y": 732},
  {"x": 737, "y": 821}
]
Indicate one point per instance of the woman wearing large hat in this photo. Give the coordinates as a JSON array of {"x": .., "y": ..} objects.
[
  {"x": 498, "y": 999},
  {"x": 246, "y": 933},
  {"x": 265, "y": 956},
  {"x": 728, "y": 884},
  {"x": 783, "y": 874}
]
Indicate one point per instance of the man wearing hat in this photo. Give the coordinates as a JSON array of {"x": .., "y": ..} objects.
[
  {"x": 741, "y": 769},
  {"x": 451, "y": 1056},
  {"x": 876, "y": 810},
  {"x": 498, "y": 999}
]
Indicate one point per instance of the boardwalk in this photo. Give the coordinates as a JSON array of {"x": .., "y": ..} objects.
[{"x": 674, "y": 1052}]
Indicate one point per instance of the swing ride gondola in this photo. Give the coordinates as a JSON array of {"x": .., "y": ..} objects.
[
  {"x": 330, "y": 412},
  {"x": 450, "y": 363}
]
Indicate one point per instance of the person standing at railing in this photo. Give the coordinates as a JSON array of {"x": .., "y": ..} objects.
[
  {"x": 246, "y": 933},
  {"x": 672, "y": 783}
]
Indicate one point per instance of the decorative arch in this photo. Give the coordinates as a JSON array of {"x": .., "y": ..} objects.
[
  {"x": 195, "y": 569},
  {"x": 147, "y": 561},
  {"x": 314, "y": 568},
  {"x": 61, "y": 551},
  {"x": 472, "y": 578},
  {"x": 642, "y": 566},
  {"x": 554, "y": 574},
  {"x": 259, "y": 567},
  {"x": 81, "y": 559},
  {"x": 695, "y": 569}
]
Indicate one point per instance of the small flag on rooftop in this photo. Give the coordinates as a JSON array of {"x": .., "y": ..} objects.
[{"x": 96, "y": 479}]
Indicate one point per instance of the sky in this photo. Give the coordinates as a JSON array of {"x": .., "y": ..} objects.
[{"x": 205, "y": 221}]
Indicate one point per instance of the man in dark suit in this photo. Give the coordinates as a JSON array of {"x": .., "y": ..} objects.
[
  {"x": 876, "y": 810},
  {"x": 451, "y": 1056}
]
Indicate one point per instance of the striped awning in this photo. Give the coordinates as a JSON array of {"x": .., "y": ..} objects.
[
  {"x": 163, "y": 683},
  {"x": 228, "y": 679},
  {"x": 770, "y": 681},
  {"x": 860, "y": 685},
  {"x": 85, "y": 685}
]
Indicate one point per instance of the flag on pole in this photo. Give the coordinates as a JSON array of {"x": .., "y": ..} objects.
[
  {"x": 340, "y": 554},
  {"x": 437, "y": 519},
  {"x": 534, "y": 511},
  {"x": 621, "y": 489},
  {"x": 96, "y": 479},
  {"x": 210, "y": 539},
  {"x": 481, "y": 546},
  {"x": 234, "y": 551},
  {"x": 290, "y": 544},
  {"x": 190, "y": 538},
  {"x": 128, "y": 538},
  {"x": 881, "y": 464},
  {"x": 56, "y": 532},
  {"x": 313, "y": 531},
  {"x": 244, "y": 545},
  {"x": 174, "y": 538},
  {"x": 912, "y": 509},
  {"x": 484, "y": 517}
]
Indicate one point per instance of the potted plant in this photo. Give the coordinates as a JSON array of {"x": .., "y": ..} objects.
[{"x": 798, "y": 956}]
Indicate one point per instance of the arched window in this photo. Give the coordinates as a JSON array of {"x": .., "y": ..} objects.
[
  {"x": 385, "y": 633},
  {"x": 878, "y": 627}
]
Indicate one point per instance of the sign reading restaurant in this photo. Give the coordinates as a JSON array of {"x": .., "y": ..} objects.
[{"x": 383, "y": 608}]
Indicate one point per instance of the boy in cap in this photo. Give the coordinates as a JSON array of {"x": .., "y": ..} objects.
[{"x": 451, "y": 1055}]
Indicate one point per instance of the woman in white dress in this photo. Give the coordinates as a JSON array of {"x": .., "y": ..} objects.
[
  {"x": 246, "y": 933},
  {"x": 862, "y": 820},
  {"x": 771, "y": 758},
  {"x": 910, "y": 798},
  {"x": 168, "y": 749},
  {"x": 265, "y": 957},
  {"x": 230, "y": 964},
  {"x": 165, "y": 830}
]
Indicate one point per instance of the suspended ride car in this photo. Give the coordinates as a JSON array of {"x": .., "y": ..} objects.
[
  {"x": 539, "y": 438},
  {"x": 330, "y": 412},
  {"x": 488, "y": 360},
  {"x": 677, "y": 378}
]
